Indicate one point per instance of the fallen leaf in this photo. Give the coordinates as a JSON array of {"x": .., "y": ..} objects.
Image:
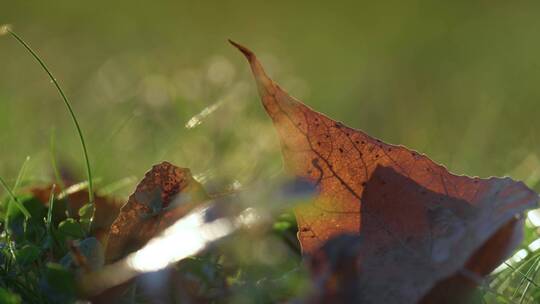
[
  {"x": 414, "y": 223},
  {"x": 165, "y": 195}
]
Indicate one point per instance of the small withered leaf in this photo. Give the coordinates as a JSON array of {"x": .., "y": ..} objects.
[
  {"x": 414, "y": 223},
  {"x": 166, "y": 194}
]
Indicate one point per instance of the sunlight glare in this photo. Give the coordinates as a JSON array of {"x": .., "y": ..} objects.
[
  {"x": 519, "y": 256},
  {"x": 534, "y": 217},
  {"x": 197, "y": 119},
  {"x": 185, "y": 238},
  {"x": 535, "y": 245},
  {"x": 500, "y": 268}
]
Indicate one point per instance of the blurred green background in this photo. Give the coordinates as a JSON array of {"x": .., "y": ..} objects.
[{"x": 457, "y": 80}]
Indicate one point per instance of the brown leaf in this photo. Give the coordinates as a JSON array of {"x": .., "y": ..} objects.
[
  {"x": 415, "y": 223},
  {"x": 165, "y": 195}
]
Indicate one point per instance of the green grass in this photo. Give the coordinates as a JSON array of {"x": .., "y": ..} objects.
[{"x": 13, "y": 198}]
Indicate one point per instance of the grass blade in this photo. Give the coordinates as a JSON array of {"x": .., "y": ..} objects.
[
  {"x": 18, "y": 181},
  {"x": 15, "y": 200},
  {"x": 52, "y": 147},
  {"x": 51, "y": 206},
  {"x": 68, "y": 106}
]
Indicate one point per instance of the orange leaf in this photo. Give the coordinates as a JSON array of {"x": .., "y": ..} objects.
[
  {"x": 415, "y": 222},
  {"x": 165, "y": 195}
]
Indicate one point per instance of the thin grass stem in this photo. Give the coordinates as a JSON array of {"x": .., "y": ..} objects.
[
  {"x": 50, "y": 211},
  {"x": 14, "y": 199},
  {"x": 52, "y": 147},
  {"x": 68, "y": 106}
]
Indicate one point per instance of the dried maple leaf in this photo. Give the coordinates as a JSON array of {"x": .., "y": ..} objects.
[
  {"x": 165, "y": 195},
  {"x": 416, "y": 224}
]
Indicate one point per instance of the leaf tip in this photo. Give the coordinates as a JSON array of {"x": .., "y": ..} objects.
[
  {"x": 247, "y": 52},
  {"x": 265, "y": 84}
]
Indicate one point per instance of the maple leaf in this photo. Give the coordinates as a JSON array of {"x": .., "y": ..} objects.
[
  {"x": 398, "y": 216},
  {"x": 165, "y": 195}
]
